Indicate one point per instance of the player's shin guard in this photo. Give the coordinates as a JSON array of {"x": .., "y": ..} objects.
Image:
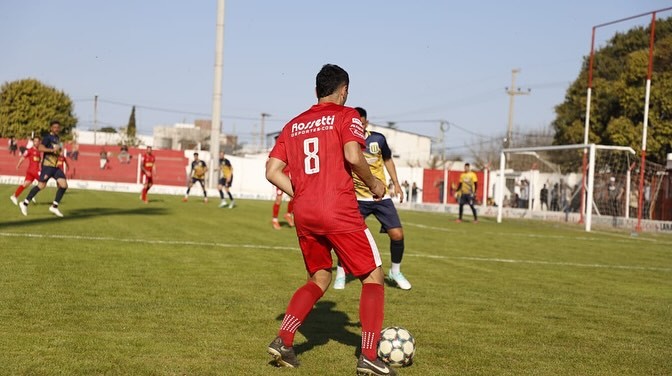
[
  {"x": 397, "y": 250},
  {"x": 371, "y": 313},
  {"x": 33, "y": 192},
  {"x": 59, "y": 195},
  {"x": 473, "y": 210},
  {"x": 299, "y": 307}
]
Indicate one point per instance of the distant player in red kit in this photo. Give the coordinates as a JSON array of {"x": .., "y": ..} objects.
[
  {"x": 148, "y": 167},
  {"x": 322, "y": 147},
  {"x": 34, "y": 158},
  {"x": 289, "y": 216}
]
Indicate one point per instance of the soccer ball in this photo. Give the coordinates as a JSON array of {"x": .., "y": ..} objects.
[{"x": 396, "y": 346}]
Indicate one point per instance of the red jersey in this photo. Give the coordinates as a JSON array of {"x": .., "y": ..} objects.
[
  {"x": 148, "y": 162},
  {"x": 34, "y": 158},
  {"x": 312, "y": 146}
]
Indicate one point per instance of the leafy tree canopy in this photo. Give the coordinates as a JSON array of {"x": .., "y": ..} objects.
[
  {"x": 619, "y": 88},
  {"x": 29, "y": 106}
]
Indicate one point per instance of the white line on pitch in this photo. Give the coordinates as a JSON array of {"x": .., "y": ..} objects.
[
  {"x": 257, "y": 246},
  {"x": 544, "y": 236}
]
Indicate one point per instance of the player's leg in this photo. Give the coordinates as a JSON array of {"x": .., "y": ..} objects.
[
  {"x": 205, "y": 191},
  {"x": 276, "y": 209},
  {"x": 387, "y": 215},
  {"x": 220, "y": 188},
  {"x": 317, "y": 257},
  {"x": 360, "y": 257},
  {"x": 62, "y": 185},
  {"x": 365, "y": 209},
  {"x": 227, "y": 186},
  {"x": 20, "y": 189},
  {"x": 473, "y": 209},
  {"x": 461, "y": 209},
  {"x": 189, "y": 185}
]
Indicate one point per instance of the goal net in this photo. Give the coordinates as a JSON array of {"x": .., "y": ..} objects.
[{"x": 549, "y": 183}]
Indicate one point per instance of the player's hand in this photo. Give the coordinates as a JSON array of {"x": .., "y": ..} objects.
[
  {"x": 378, "y": 190},
  {"x": 399, "y": 192},
  {"x": 56, "y": 148}
]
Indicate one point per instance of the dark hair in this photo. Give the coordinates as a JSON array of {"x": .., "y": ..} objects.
[
  {"x": 330, "y": 78},
  {"x": 54, "y": 122},
  {"x": 362, "y": 112},
  {"x": 467, "y": 164},
  {"x": 195, "y": 154}
]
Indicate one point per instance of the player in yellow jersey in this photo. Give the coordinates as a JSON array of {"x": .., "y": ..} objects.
[
  {"x": 467, "y": 190},
  {"x": 225, "y": 180},
  {"x": 198, "y": 171},
  {"x": 379, "y": 157}
]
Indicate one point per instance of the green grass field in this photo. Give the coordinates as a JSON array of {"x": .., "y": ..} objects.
[{"x": 170, "y": 288}]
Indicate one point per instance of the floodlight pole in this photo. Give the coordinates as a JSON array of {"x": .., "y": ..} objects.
[{"x": 217, "y": 96}]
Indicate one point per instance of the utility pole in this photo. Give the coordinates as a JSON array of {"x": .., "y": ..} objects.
[
  {"x": 262, "y": 132},
  {"x": 512, "y": 91},
  {"x": 95, "y": 118},
  {"x": 217, "y": 96}
]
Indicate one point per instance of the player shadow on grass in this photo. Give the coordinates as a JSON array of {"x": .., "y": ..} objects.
[
  {"x": 323, "y": 324},
  {"x": 83, "y": 214}
]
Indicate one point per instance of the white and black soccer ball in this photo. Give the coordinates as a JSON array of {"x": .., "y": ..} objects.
[{"x": 396, "y": 346}]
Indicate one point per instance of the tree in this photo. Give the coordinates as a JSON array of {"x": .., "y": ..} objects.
[
  {"x": 617, "y": 108},
  {"x": 28, "y": 106},
  {"x": 129, "y": 134}
]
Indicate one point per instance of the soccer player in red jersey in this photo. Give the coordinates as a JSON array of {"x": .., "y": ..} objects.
[
  {"x": 148, "y": 168},
  {"x": 289, "y": 216},
  {"x": 322, "y": 147},
  {"x": 34, "y": 158}
]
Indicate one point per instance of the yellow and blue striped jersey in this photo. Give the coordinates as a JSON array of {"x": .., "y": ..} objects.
[{"x": 376, "y": 152}]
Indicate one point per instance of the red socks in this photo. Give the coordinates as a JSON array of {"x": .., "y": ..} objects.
[
  {"x": 276, "y": 210},
  {"x": 371, "y": 312},
  {"x": 299, "y": 307}
]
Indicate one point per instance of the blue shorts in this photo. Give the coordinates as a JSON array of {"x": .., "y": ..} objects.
[
  {"x": 467, "y": 199},
  {"x": 223, "y": 183},
  {"x": 383, "y": 210},
  {"x": 48, "y": 172}
]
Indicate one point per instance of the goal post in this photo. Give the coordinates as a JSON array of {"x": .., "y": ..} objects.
[{"x": 531, "y": 178}]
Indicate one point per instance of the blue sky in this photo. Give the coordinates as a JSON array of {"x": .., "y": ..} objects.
[{"x": 412, "y": 63}]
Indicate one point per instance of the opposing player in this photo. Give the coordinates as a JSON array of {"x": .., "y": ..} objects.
[
  {"x": 225, "y": 181},
  {"x": 322, "y": 147},
  {"x": 148, "y": 169},
  {"x": 50, "y": 148},
  {"x": 289, "y": 216},
  {"x": 378, "y": 154},
  {"x": 466, "y": 189},
  {"x": 197, "y": 174},
  {"x": 34, "y": 158}
]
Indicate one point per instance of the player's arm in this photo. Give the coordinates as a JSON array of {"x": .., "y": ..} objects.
[
  {"x": 392, "y": 171},
  {"x": 20, "y": 161},
  {"x": 353, "y": 155},
  {"x": 42, "y": 148},
  {"x": 275, "y": 176}
]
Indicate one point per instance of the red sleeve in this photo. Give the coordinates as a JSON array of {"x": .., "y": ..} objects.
[
  {"x": 279, "y": 151},
  {"x": 351, "y": 128}
]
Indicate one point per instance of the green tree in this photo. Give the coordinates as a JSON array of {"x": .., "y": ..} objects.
[
  {"x": 29, "y": 106},
  {"x": 619, "y": 84},
  {"x": 128, "y": 136}
]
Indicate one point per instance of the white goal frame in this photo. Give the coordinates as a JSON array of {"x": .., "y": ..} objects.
[{"x": 590, "y": 178}]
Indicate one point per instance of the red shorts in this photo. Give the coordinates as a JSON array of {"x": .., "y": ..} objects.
[
  {"x": 148, "y": 179},
  {"x": 32, "y": 176},
  {"x": 357, "y": 252}
]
